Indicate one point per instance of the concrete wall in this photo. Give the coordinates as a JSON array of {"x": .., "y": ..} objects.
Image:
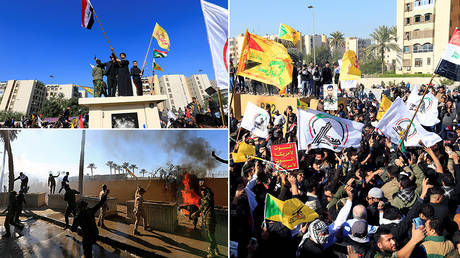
[
  {"x": 123, "y": 190},
  {"x": 158, "y": 215}
]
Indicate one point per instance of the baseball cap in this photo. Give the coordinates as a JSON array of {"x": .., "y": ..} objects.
[
  {"x": 375, "y": 193},
  {"x": 359, "y": 232}
]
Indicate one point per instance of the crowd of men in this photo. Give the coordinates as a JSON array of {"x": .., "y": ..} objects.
[
  {"x": 371, "y": 201},
  {"x": 307, "y": 80},
  {"x": 192, "y": 116}
]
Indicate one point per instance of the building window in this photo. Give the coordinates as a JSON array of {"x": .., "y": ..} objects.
[
  {"x": 428, "y": 61},
  {"x": 417, "y": 18},
  {"x": 417, "y": 48},
  {"x": 427, "y": 47},
  {"x": 418, "y": 62},
  {"x": 408, "y": 21},
  {"x": 407, "y": 36},
  {"x": 170, "y": 95},
  {"x": 408, "y": 7},
  {"x": 406, "y": 49},
  {"x": 427, "y": 16},
  {"x": 169, "y": 90}
]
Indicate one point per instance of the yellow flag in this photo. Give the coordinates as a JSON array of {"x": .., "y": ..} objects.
[
  {"x": 290, "y": 213},
  {"x": 385, "y": 104},
  {"x": 288, "y": 33},
  {"x": 244, "y": 150},
  {"x": 88, "y": 89},
  {"x": 74, "y": 123},
  {"x": 162, "y": 37},
  {"x": 265, "y": 60},
  {"x": 350, "y": 67}
]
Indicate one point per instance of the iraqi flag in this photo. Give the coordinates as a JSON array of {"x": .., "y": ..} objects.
[
  {"x": 87, "y": 19},
  {"x": 449, "y": 66},
  {"x": 216, "y": 20}
]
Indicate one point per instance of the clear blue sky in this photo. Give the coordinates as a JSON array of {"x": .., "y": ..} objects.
[
  {"x": 352, "y": 17},
  {"x": 40, "y": 38},
  {"x": 36, "y": 152}
]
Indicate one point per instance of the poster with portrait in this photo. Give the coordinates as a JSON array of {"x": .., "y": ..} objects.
[{"x": 330, "y": 96}]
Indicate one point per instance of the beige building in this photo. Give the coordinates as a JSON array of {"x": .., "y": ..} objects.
[
  {"x": 235, "y": 44},
  {"x": 176, "y": 89},
  {"x": 310, "y": 42},
  {"x": 68, "y": 91},
  {"x": 351, "y": 43},
  {"x": 82, "y": 94},
  {"x": 2, "y": 88},
  {"x": 424, "y": 29},
  {"x": 24, "y": 96},
  {"x": 197, "y": 84}
]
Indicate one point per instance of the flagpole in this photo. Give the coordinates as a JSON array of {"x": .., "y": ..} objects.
[
  {"x": 221, "y": 108},
  {"x": 148, "y": 49},
  {"x": 415, "y": 113},
  {"x": 111, "y": 48}
]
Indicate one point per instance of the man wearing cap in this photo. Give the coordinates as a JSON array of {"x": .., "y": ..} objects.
[
  {"x": 359, "y": 214},
  {"x": 104, "y": 192},
  {"x": 374, "y": 196},
  {"x": 359, "y": 239}
]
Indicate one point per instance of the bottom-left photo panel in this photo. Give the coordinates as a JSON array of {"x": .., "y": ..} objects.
[{"x": 114, "y": 193}]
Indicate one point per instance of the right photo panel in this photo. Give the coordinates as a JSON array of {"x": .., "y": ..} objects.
[{"x": 344, "y": 128}]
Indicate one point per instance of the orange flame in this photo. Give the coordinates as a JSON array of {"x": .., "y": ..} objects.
[{"x": 188, "y": 195}]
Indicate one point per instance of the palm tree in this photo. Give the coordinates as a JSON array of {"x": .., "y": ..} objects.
[
  {"x": 125, "y": 165},
  {"x": 143, "y": 171},
  {"x": 383, "y": 37},
  {"x": 337, "y": 40},
  {"x": 91, "y": 166},
  {"x": 7, "y": 136},
  {"x": 114, "y": 166},
  {"x": 133, "y": 167},
  {"x": 110, "y": 165}
]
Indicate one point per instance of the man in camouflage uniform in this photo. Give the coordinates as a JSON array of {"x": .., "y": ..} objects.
[
  {"x": 139, "y": 209},
  {"x": 208, "y": 218},
  {"x": 99, "y": 84}
]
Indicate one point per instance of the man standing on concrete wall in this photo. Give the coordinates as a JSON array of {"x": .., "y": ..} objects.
[
  {"x": 52, "y": 183},
  {"x": 69, "y": 197}
]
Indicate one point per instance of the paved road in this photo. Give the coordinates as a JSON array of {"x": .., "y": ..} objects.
[{"x": 43, "y": 239}]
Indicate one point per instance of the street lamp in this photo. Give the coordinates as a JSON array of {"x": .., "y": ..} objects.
[{"x": 313, "y": 36}]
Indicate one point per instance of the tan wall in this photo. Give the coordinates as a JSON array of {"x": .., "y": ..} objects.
[{"x": 124, "y": 190}]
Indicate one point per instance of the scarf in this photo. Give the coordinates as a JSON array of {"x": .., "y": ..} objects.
[
  {"x": 317, "y": 226},
  {"x": 407, "y": 194}
]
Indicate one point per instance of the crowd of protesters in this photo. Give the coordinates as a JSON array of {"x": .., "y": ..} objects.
[
  {"x": 63, "y": 120},
  {"x": 193, "y": 116},
  {"x": 373, "y": 201},
  {"x": 307, "y": 80}
]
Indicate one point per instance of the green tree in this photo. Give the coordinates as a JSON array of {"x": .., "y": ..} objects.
[
  {"x": 323, "y": 55},
  {"x": 125, "y": 165},
  {"x": 91, "y": 166},
  {"x": 143, "y": 171},
  {"x": 6, "y": 115},
  {"x": 371, "y": 66},
  {"x": 383, "y": 37},
  {"x": 7, "y": 136},
  {"x": 337, "y": 40},
  {"x": 133, "y": 167},
  {"x": 110, "y": 165}
]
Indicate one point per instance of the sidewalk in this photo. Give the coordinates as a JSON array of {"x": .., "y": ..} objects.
[{"x": 150, "y": 243}]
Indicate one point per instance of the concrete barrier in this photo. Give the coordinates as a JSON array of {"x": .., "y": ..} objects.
[
  {"x": 111, "y": 202},
  {"x": 56, "y": 201},
  {"x": 34, "y": 200},
  {"x": 158, "y": 215},
  {"x": 222, "y": 226},
  {"x": 3, "y": 199}
]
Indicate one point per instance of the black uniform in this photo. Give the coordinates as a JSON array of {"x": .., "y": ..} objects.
[
  {"x": 124, "y": 81},
  {"x": 52, "y": 183},
  {"x": 69, "y": 197},
  {"x": 20, "y": 199},
  {"x": 86, "y": 221},
  {"x": 111, "y": 73},
  {"x": 135, "y": 73}
]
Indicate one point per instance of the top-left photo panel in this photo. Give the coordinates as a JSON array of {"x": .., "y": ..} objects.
[{"x": 105, "y": 64}]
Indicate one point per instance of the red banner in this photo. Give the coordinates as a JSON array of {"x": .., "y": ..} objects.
[{"x": 285, "y": 155}]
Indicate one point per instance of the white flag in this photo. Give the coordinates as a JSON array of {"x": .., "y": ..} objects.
[
  {"x": 428, "y": 112},
  {"x": 216, "y": 19},
  {"x": 395, "y": 122},
  {"x": 256, "y": 120},
  {"x": 323, "y": 130}
]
